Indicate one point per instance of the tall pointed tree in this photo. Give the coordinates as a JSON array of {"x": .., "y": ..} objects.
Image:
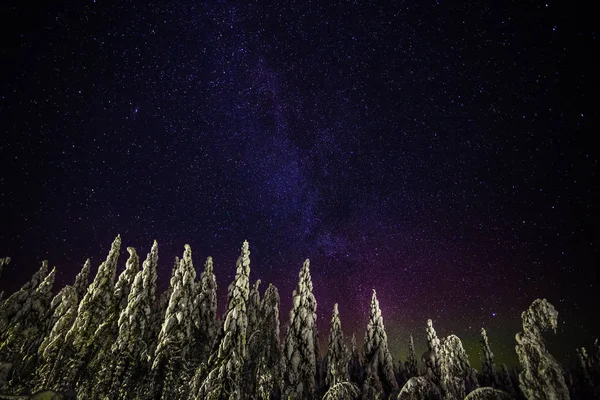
[
  {"x": 50, "y": 348},
  {"x": 489, "y": 375},
  {"x": 431, "y": 358},
  {"x": 412, "y": 367},
  {"x": 170, "y": 365},
  {"x": 93, "y": 310},
  {"x": 205, "y": 309},
  {"x": 26, "y": 332},
  {"x": 226, "y": 364},
  {"x": 355, "y": 368},
  {"x": 301, "y": 340},
  {"x": 11, "y": 306},
  {"x": 337, "y": 353},
  {"x": 379, "y": 366}
]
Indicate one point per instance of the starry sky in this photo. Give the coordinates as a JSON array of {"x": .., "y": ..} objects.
[{"x": 438, "y": 152}]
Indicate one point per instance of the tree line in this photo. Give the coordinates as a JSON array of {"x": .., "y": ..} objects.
[{"x": 119, "y": 338}]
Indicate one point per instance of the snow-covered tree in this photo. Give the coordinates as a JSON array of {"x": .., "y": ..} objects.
[
  {"x": 355, "y": 368},
  {"x": 106, "y": 334},
  {"x": 542, "y": 376},
  {"x": 170, "y": 365},
  {"x": 26, "y": 331},
  {"x": 11, "y": 306},
  {"x": 93, "y": 310},
  {"x": 379, "y": 366},
  {"x": 226, "y": 364},
  {"x": 337, "y": 353},
  {"x": 431, "y": 358},
  {"x": 265, "y": 359},
  {"x": 489, "y": 375},
  {"x": 82, "y": 279},
  {"x": 48, "y": 351},
  {"x": 505, "y": 381},
  {"x": 158, "y": 314},
  {"x": 205, "y": 313},
  {"x": 411, "y": 366},
  {"x": 301, "y": 340},
  {"x": 458, "y": 378},
  {"x": 253, "y": 307}
]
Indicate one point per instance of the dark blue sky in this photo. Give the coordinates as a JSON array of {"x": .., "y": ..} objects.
[{"x": 439, "y": 152}]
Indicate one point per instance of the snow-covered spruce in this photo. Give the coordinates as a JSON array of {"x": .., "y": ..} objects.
[
  {"x": 11, "y": 306},
  {"x": 505, "y": 381},
  {"x": 49, "y": 349},
  {"x": 431, "y": 358},
  {"x": 205, "y": 314},
  {"x": 379, "y": 366},
  {"x": 301, "y": 341},
  {"x": 225, "y": 365},
  {"x": 253, "y": 307},
  {"x": 355, "y": 368},
  {"x": 123, "y": 365},
  {"x": 158, "y": 315},
  {"x": 106, "y": 334},
  {"x": 411, "y": 366},
  {"x": 82, "y": 281},
  {"x": 542, "y": 376},
  {"x": 489, "y": 375},
  {"x": 25, "y": 333},
  {"x": 170, "y": 366},
  {"x": 337, "y": 353},
  {"x": 149, "y": 278},
  {"x": 70, "y": 365},
  {"x": 458, "y": 378},
  {"x": 265, "y": 359}
]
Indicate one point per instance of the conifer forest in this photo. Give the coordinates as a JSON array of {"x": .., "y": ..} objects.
[{"x": 113, "y": 336}]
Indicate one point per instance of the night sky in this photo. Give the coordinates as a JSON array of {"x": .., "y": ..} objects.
[{"x": 439, "y": 152}]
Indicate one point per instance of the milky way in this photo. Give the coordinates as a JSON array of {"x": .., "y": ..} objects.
[{"x": 438, "y": 153}]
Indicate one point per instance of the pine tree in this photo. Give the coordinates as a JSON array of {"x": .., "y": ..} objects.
[
  {"x": 458, "y": 378},
  {"x": 106, "y": 334},
  {"x": 265, "y": 359},
  {"x": 379, "y": 366},
  {"x": 69, "y": 368},
  {"x": 355, "y": 368},
  {"x": 82, "y": 280},
  {"x": 158, "y": 315},
  {"x": 489, "y": 375},
  {"x": 154, "y": 317},
  {"x": 253, "y": 307},
  {"x": 301, "y": 341},
  {"x": 431, "y": 358},
  {"x": 505, "y": 381},
  {"x": 225, "y": 365},
  {"x": 48, "y": 351},
  {"x": 412, "y": 367},
  {"x": 542, "y": 376},
  {"x": 11, "y": 306},
  {"x": 337, "y": 359},
  {"x": 26, "y": 332},
  {"x": 205, "y": 312},
  {"x": 170, "y": 365}
]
